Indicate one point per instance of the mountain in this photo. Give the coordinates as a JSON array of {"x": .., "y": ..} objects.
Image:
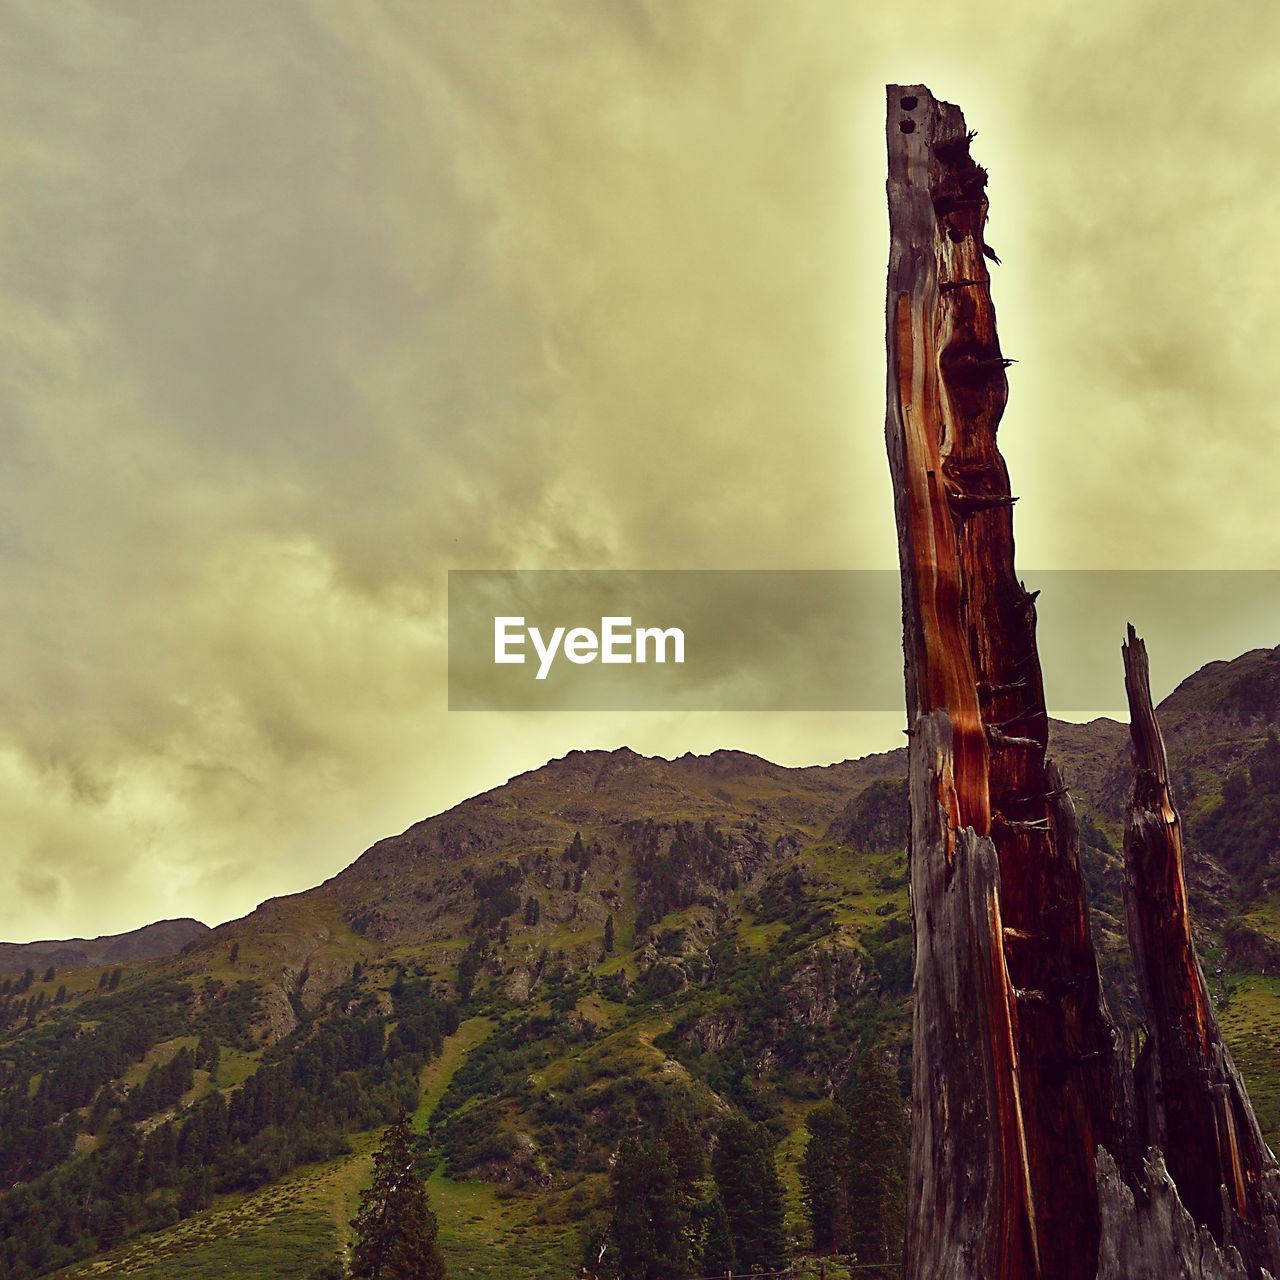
[
  {"x": 602, "y": 940},
  {"x": 152, "y": 941}
]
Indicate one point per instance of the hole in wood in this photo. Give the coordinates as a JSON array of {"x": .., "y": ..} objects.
[
  {"x": 907, "y": 126},
  {"x": 909, "y": 102}
]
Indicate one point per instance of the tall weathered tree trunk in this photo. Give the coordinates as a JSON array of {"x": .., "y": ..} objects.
[
  {"x": 1017, "y": 1077},
  {"x": 1024, "y": 1141}
]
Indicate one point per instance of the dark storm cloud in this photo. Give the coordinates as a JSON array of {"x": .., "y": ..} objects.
[{"x": 306, "y": 303}]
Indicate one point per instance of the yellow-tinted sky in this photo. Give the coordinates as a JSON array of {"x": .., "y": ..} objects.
[{"x": 304, "y": 303}]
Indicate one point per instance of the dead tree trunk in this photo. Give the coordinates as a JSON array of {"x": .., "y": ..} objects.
[
  {"x": 1017, "y": 1078},
  {"x": 1192, "y": 1102},
  {"x": 1024, "y": 1143}
]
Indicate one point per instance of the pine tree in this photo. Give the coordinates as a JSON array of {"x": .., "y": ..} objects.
[
  {"x": 717, "y": 1240},
  {"x": 688, "y": 1153},
  {"x": 208, "y": 1055},
  {"x": 395, "y": 1228},
  {"x": 111, "y": 1225},
  {"x": 195, "y": 1193},
  {"x": 751, "y": 1192},
  {"x": 824, "y": 1175},
  {"x": 608, "y": 935},
  {"x": 650, "y": 1222},
  {"x": 102, "y": 1105},
  {"x": 877, "y": 1164}
]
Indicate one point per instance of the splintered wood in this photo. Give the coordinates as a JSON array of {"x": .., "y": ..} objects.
[
  {"x": 1192, "y": 1103},
  {"x": 1023, "y": 1102}
]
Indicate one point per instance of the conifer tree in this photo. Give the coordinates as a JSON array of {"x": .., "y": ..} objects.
[
  {"x": 396, "y": 1232},
  {"x": 878, "y": 1163},
  {"x": 748, "y": 1184},
  {"x": 101, "y": 1109},
  {"x": 687, "y": 1150},
  {"x": 650, "y": 1222},
  {"x": 688, "y": 1153},
  {"x": 717, "y": 1239},
  {"x": 208, "y": 1054},
  {"x": 824, "y": 1175},
  {"x": 195, "y": 1193}
]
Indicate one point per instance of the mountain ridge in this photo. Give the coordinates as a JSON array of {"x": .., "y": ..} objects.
[
  {"x": 151, "y": 941},
  {"x": 595, "y": 940}
]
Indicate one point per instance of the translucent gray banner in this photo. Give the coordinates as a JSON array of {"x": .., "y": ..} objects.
[{"x": 809, "y": 640}]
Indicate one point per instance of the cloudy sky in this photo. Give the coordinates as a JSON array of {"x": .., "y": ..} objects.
[{"x": 304, "y": 303}]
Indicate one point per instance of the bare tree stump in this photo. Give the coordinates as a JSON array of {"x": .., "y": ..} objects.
[
  {"x": 1025, "y": 1111},
  {"x": 1026, "y": 1141},
  {"x": 1192, "y": 1103}
]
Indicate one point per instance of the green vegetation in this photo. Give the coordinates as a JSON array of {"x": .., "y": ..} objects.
[
  {"x": 1242, "y": 828},
  {"x": 749, "y": 1189},
  {"x": 395, "y": 1230},
  {"x": 878, "y": 1143},
  {"x": 287, "y": 1231},
  {"x": 825, "y": 1172},
  {"x": 649, "y": 1229},
  {"x": 690, "y": 974},
  {"x": 667, "y": 1215},
  {"x": 339, "y": 1072}
]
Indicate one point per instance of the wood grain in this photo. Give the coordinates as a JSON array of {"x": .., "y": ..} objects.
[{"x": 1038, "y": 1151}]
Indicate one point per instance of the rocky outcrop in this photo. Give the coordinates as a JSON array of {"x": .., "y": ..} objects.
[{"x": 877, "y": 821}]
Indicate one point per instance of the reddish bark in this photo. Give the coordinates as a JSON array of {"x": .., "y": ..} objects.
[
  {"x": 1193, "y": 1104},
  {"x": 1029, "y": 1156},
  {"x": 971, "y": 652}
]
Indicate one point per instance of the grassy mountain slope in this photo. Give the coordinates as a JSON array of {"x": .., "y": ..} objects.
[{"x": 760, "y": 944}]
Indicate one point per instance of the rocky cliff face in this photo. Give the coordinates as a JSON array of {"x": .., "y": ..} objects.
[{"x": 473, "y": 871}]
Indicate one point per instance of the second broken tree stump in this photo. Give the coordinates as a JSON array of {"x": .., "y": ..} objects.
[{"x": 1192, "y": 1103}]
